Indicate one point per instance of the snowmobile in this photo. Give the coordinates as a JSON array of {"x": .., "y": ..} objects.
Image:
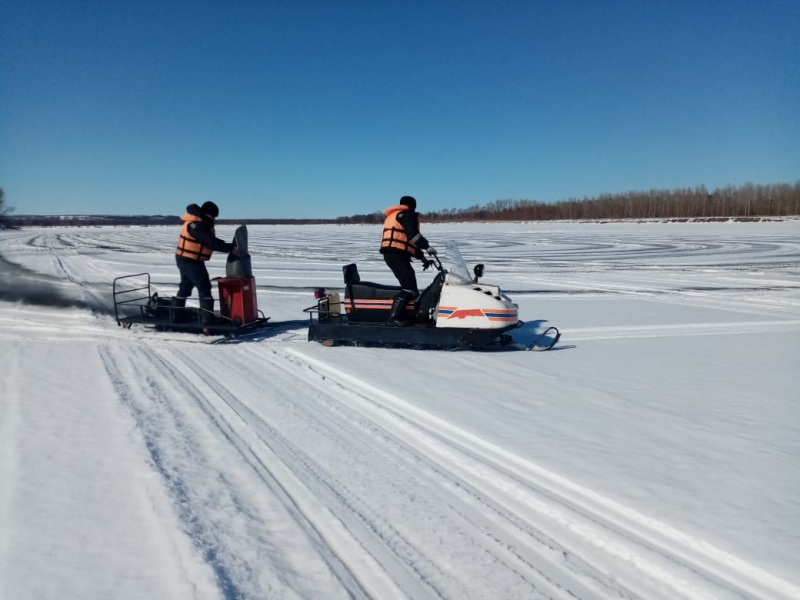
[
  {"x": 135, "y": 302},
  {"x": 454, "y": 311}
]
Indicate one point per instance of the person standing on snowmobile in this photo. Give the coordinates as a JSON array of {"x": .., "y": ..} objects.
[
  {"x": 401, "y": 242},
  {"x": 196, "y": 243}
]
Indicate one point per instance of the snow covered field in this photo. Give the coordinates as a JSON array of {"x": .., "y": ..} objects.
[{"x": 653, "y": 454}]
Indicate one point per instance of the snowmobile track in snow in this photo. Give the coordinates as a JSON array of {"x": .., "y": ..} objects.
[
  {"x": 555, "y": 512},
  {"x": 540, "y": 534},
  {"x": 695, "y": 329},
  {"x": 365, "y": 527}
]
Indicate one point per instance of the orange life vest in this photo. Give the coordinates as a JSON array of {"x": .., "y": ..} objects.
[
  {"x": 394, "y": 236},
  {"x": 187, "y": 245}
]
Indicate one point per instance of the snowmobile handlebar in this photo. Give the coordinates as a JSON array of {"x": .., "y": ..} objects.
[{"x": 432, "y": 260}]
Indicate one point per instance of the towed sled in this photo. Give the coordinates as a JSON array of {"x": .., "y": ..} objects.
[
  {"x": 454, "y": 312},
  {"x": 136, "y": 303}
]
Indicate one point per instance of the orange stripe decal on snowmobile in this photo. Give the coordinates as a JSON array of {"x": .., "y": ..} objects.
[
  {"x": 362, "y": 303},
  {"x": 463, "y": 313},
  {"x": 491, "y": 314}
]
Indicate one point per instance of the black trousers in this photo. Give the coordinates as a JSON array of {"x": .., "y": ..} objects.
[
  {"x": 400, "y": 264},
  {"x": 193, "y": 275}
]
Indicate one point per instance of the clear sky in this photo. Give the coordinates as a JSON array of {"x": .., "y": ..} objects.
[{"x": 330, "y": 108}]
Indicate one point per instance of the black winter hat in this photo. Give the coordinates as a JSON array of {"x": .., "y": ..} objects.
[
  {"x": 409, "y": 201},
  {"x": 211, "y": 209}
]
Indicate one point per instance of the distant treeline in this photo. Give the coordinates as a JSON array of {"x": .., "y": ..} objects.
[
  {"x": 89, "y": 220},
  {"x": 746, "y": 201},
  {"x": 139, "y": 220},
  {"x": 738, "y": 202}
]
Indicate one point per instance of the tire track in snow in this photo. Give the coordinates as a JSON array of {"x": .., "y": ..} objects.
[{"x": 652, "y": 558}]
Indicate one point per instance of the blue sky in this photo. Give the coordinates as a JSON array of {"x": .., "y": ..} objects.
[{"x": 330, "y": 108}]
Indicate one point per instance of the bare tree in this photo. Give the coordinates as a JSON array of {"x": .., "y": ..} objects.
[{"x": 4, "y": 210}]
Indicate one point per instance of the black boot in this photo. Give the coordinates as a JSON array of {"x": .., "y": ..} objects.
[
  {"x": 177, "y": 314},
  {"x": 398, "y": 307},
  {"x": 206, "y": 311}
]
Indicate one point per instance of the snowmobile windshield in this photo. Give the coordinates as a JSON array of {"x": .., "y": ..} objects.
[{"x": 455, "y": 265}]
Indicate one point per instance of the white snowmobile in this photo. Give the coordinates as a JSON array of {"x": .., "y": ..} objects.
[{"x": 454, "y": 311}]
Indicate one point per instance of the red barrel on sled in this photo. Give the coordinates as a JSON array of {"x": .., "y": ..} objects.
[{"x": 237, "y": 298}]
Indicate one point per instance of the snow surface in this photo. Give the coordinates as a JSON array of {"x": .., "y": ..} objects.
[{"x": 653, "y": 454}]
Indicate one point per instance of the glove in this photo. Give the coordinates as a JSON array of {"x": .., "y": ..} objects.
[
  {"x": 426, "y": 264},
  {"x": 432, "y": 251}
]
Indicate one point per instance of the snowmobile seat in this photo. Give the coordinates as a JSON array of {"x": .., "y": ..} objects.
[
  {"x": 366, "y": 290},
  {"x": 355, "y": 288},
  {"x": 367, "y": 301},
  {"x": 351, "y": 275}
]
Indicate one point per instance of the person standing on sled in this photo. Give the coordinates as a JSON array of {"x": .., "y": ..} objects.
[
  {"x": 195, "y": 245},
  {"x": 401, "y": 242}
]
